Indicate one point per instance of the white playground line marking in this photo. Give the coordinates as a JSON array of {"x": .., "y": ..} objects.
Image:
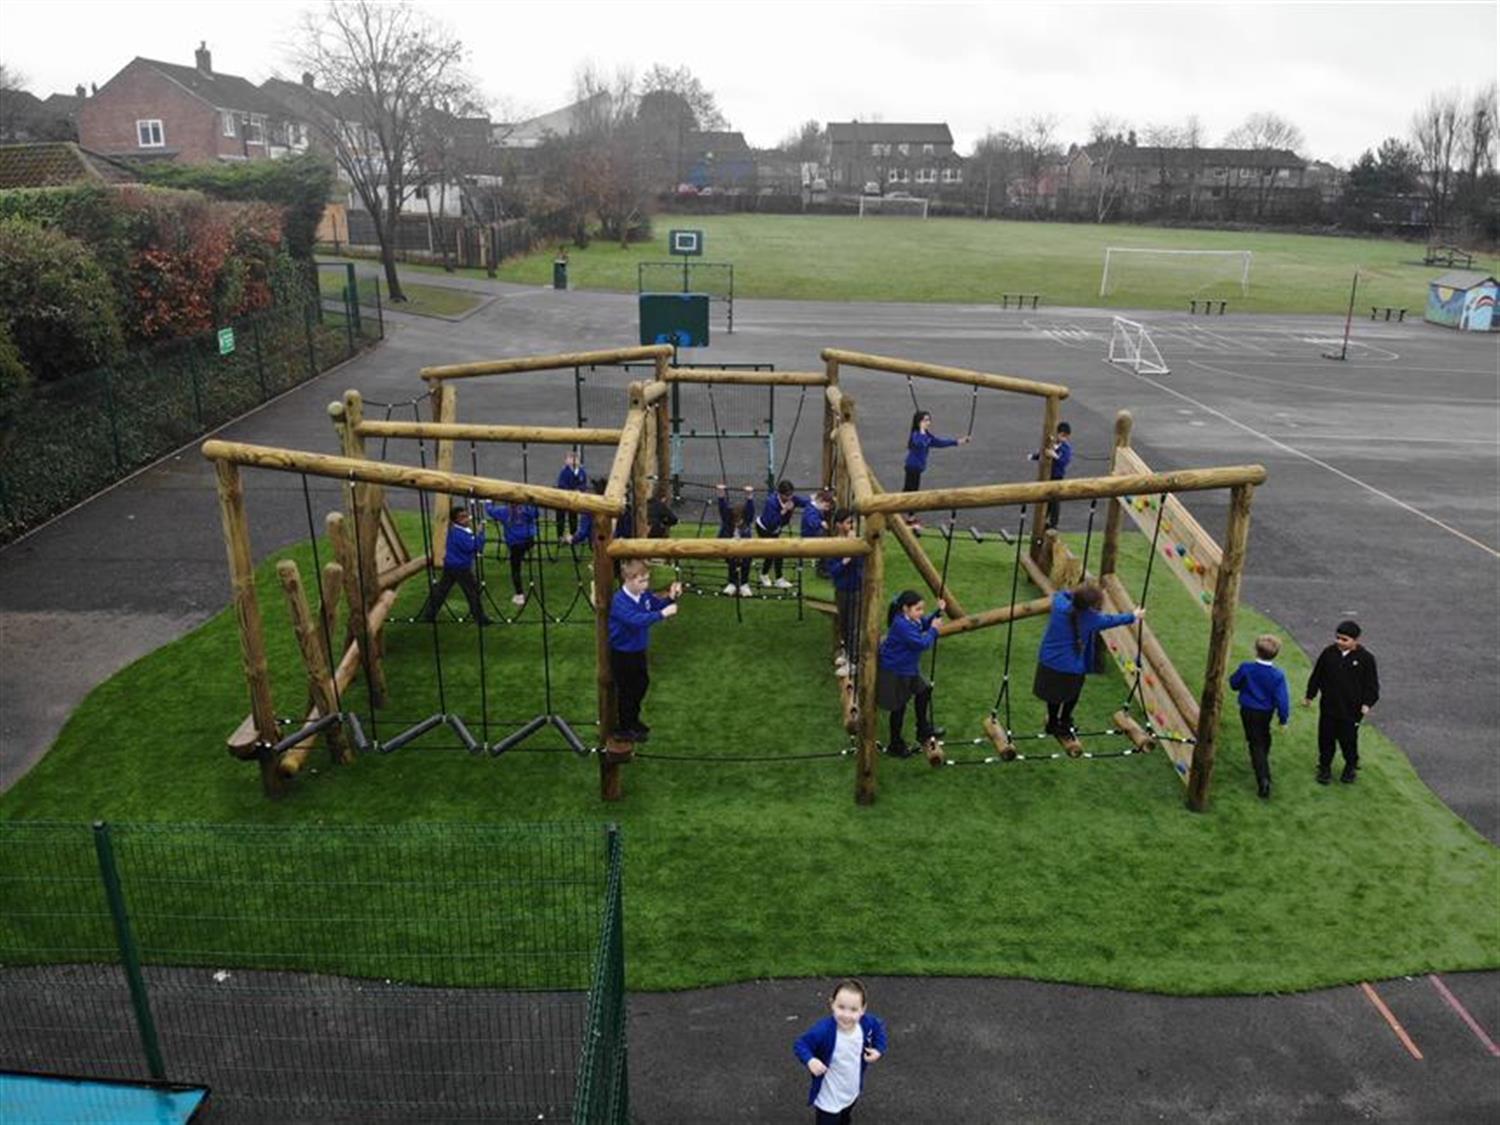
[
  {"x": 1309, "y": 457},
  {"x": 1388, "y": 396}
]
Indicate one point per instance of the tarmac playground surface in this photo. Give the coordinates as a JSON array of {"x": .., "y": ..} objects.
[{"x": 1382, "y": 503}]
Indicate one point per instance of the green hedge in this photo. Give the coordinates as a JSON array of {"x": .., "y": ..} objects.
[{"x": 56, "y": 301}]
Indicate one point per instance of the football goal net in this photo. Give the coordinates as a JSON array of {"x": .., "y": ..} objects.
[
  {"x": 912, "y": 208},
  {"x": 1180, "y": 271},
  {"x": 1130, "y": 345}
]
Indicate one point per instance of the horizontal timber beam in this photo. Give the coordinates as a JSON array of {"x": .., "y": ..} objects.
[
  {"x": 464, "y": 431},
  {"x": 945, "y": 374},
  {"x": 405, "y": 476},
  {"x": 518, "y": 364},
  {"x": 1080, "y": 488}
]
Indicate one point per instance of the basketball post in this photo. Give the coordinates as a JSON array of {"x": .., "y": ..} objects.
[{"x": 1348, "y": 322}]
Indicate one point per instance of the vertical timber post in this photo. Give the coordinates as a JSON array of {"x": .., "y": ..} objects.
[
  {"x": 611, "y": 781},
  {"x": 1050, "y": 413},
  {"x": 247, "y": 614},
  {"x": 1109, "y": 556},
  {"x": 872, "y": 595},
  {"x": 359, "y": 612},
  {"x": 830, "y": 420},
  {"x": 130, "y": 959},
  {"x": 1220, "y": 638},
  {"x": 664, "y": 431},
  {"x": 444, "y": 409}
]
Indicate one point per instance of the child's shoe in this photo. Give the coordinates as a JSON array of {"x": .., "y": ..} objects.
[
  {"x": 765, "y": 579},
  {"x": 899, "y": 749},
  {"x": 745, "y": 590},
  {"x": 731, "y": 589},
  {"x": 518, "y": 599},
  {"x": 782, "y": 584}
]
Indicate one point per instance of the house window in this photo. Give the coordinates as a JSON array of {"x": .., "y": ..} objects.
[
  {"x": 228, "y": 123},
  {"x": 149, "y": 133},
  {"x": 903, "y": 149},
  {"x": 255, "y": 130},
  {"x": 927, "y": 150},
  {"x": 926, "y": 175},
  {"x": 893, "y": 176}
]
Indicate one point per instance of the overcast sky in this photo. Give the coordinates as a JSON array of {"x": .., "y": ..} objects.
[{"x": 1348, "y": 74}]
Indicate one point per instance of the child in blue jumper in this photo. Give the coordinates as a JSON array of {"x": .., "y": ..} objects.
[
  {"x": 837, "y": 1050},
  {"x": 1262, "y": 688},
  {"x": 909, "y": 633},
  {"x": 572, "y": 477},
  {"x": 815, "y": 524},
  {"x": 632, "y": 612},
  {"x": 1067, "y": 652},
  {"x": 1059, "y": 453},
  {"x": 775, "y": 514},
  {"x": 848, "y": 575},
  {"x": 463, "y": 545},
  {"x": 519, "y": 522},
  {"x": 734, "y": 523},
  {"x": 919, "y": 441}
]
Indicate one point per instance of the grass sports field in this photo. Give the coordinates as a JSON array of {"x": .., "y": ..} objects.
[
  {"x": 970, "y": 261},
  {"x": 1082, "y": 871}
]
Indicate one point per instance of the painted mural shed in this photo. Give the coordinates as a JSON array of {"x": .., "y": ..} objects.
[{"x": 1463, "y": 299}]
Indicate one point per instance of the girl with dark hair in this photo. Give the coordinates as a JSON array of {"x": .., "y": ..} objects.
[
  {"x": 899, "y": 679},
  {"x": 919, "y": 440},
  {"x": 1067, "y": 652},
  {"x": 520, "y": 524}
]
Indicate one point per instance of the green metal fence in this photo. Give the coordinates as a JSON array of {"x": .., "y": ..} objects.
[
  {"x": 439, "y": 972},
  {"x": 75, "y": 436}
]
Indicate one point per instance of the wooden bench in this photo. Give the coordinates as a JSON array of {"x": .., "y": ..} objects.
[
  {"x": 1208, "y": 304},
  {"x": 1020, "y": 299},
  {"x": 1399, "y": 313},
  {"x": 1449, "y": 256}
]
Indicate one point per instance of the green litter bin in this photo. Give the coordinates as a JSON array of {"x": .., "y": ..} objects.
[{"x": 559, "y": 273}]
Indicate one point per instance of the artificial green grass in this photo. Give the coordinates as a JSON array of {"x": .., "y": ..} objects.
[
  {"x": 834, "y": 258},
  {"x": 421, "y": 300},
  {"x": 1089, "y": 871}
]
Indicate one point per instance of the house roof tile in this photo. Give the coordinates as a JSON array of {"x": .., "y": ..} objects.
[
  {"x": 1464, "y": 279},
  {"x": 889, "y": 132},
  {"x": 55, "y": 163},
  {"x": 222, "y": 91}
]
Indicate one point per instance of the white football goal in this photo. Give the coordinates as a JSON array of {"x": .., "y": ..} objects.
[
  {"x": 1130, "y": 345},
  {"x": 1187, "y": 271},
  {"x": 910, "y": 208}
]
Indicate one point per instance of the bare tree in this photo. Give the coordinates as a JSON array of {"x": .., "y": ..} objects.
[
  {"x": 12, "y": 95},
  {"x": 996, "y": 161},
  {"x": 1436, "y": 132},
  {"x": 1107, "y": 136},
  {"x": 685, "y": 84},
  {"x": 1164, "y": 134},
  {"x": 1265, "y": 130},
  {"x": 389, "y": 68},
  {"x": 1039, "y": 148},
  {"x": 806, "y": 143}
]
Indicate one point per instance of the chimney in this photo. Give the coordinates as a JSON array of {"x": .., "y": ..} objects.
[
  {"x": 202, "y": 59},
  {"x": 307, "y": 79},
  {"x": 80, "y": 92}
]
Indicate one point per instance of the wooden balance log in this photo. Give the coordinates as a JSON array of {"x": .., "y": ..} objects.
[
  {"x": 1139, "y": 737},
  {"x": 1070, "y": 745},
  {"x": 1000, "y": 738},
  {"x": 618, "y": 751}
]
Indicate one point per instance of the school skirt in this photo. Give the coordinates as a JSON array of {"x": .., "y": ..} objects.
[
  {"x": 892, "y": 689},
  {"x": 1052, "y": 686}
]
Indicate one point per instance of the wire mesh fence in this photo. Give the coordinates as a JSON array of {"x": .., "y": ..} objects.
[
  {"x": 311, "y": 974},
  {"x": 73, "y": 437}
]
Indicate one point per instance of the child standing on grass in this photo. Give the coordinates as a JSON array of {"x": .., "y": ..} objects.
[
  {"x": 572, "y": 477},
  {"x": 919, "y": 441},
  {"x": 463, "y": 545},
  {"x": 519, "y": 522},
  {"x": 836, "y": 1051},
  {"x": 632, "y": 612},
  {"x": 848, "y": 575},
  {"x": 734, "y": 523},
  {"x": 1262, "y": 688},
  {"x": 1346, "y": 678},
  {"x": 909, "y": 633}
]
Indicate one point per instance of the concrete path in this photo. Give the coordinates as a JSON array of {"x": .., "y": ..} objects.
[{"x": 1381, "y": 504}]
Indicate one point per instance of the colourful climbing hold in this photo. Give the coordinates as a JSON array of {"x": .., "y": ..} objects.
[
  {"x": 1208, "y": 598},
  {"x": 1181, "y": 551}
]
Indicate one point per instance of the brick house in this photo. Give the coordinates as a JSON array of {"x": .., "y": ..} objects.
[
  {"x": 154, "y": 110},
  {"x": 915, "y": 158},
  {"x": 1115, "y": 180},
  {"x": 718, "y": 160}
]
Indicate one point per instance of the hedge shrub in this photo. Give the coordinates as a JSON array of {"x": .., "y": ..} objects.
[{"x": 57, "y": 302}]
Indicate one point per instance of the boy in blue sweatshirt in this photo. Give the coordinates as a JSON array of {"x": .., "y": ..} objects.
[
  {"x": 632, "y": 612},
  {"x": 837, "y": 1050},
  {"x": 519, "y": 522},
  {"x": 572, "y": 477},
  {"x": 899, "y": 679},
  {"x": 463, "y": 545},
  {"x": 775, "y": 514},
  {"x": 815, "y": 524},
  {"x": 1059, "y": 452},
  {"x": 1262, "y": 688},
  {"x": 734, "y": 523}
]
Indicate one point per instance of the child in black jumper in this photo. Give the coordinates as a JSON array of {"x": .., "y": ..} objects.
[{"x": 1346, "y": 678}]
